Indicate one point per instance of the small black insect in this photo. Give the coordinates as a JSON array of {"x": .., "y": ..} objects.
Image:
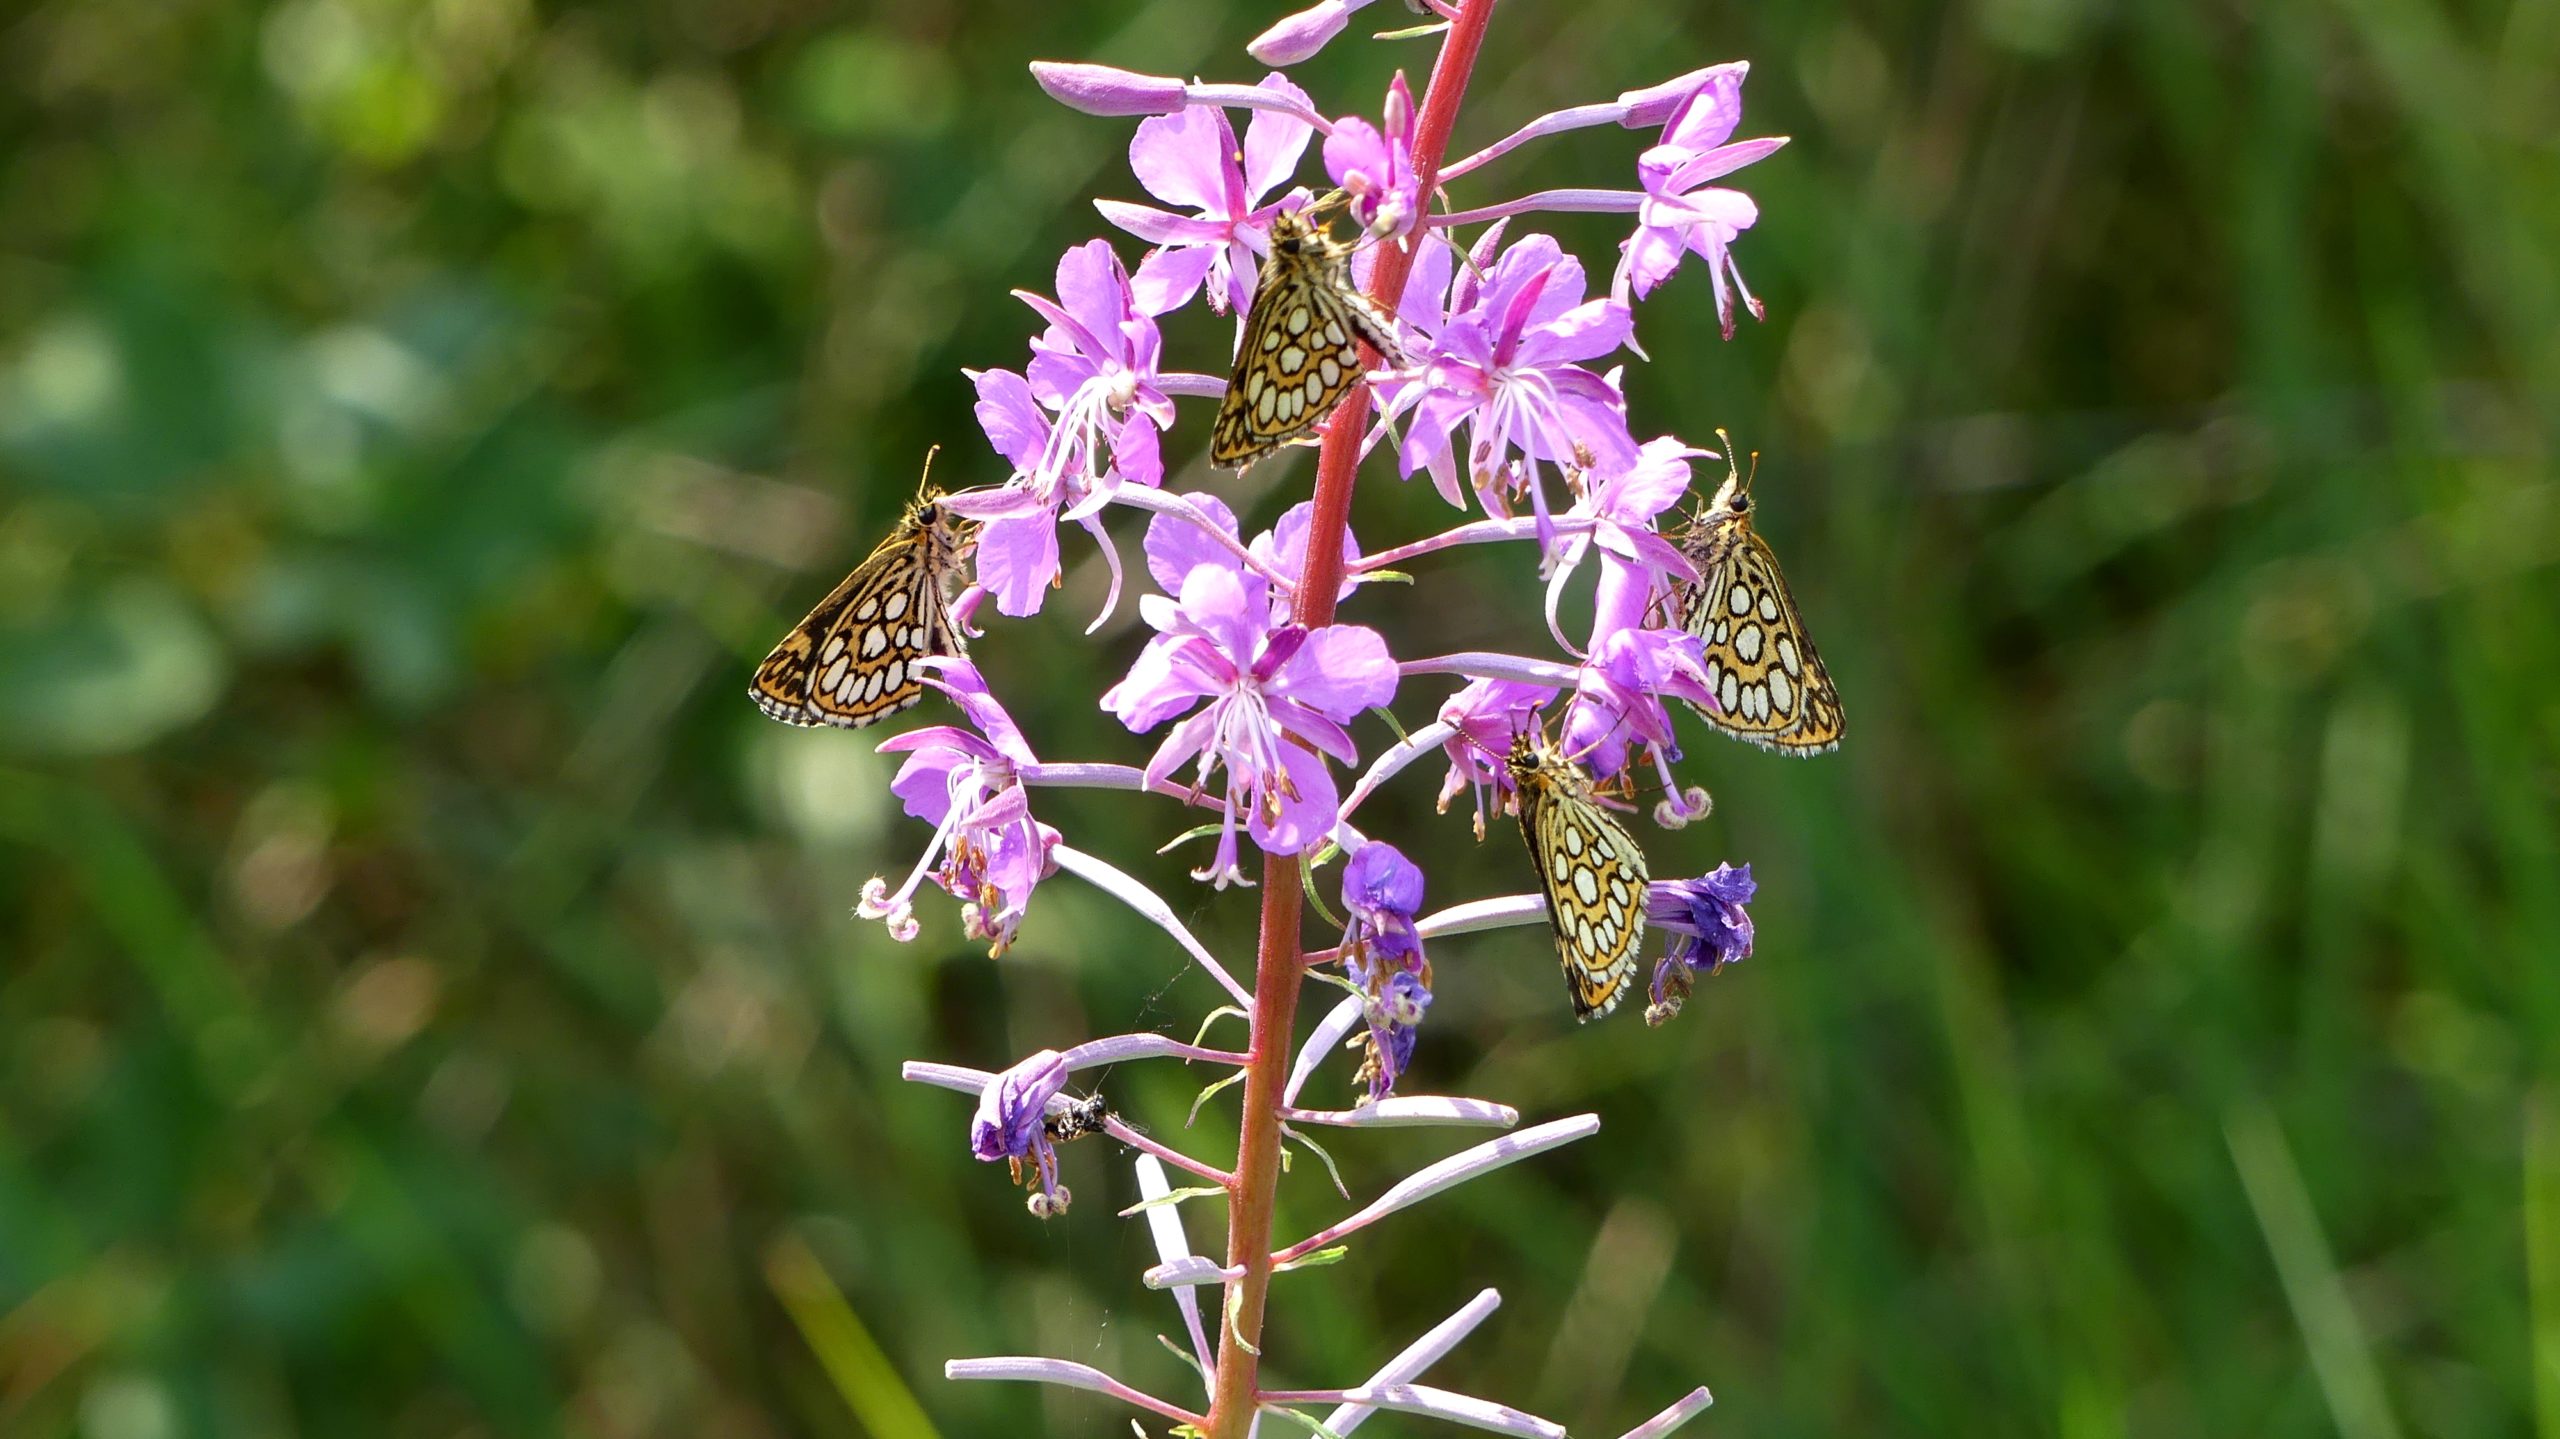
[{"x": 1082, "y": 1117}]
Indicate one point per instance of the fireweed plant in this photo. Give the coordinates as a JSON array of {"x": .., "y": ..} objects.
[{"x": 1507, "y": 395}]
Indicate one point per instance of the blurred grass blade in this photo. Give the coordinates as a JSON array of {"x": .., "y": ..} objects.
[
  {"x": 863, "y": 1374},
  {"x": 2542, "y": 1255},
  {"x": 2340, "y": 1357}
]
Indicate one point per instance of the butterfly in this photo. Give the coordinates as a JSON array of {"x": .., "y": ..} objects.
[
  {"x": 852, "y": 662},
  {"x": 1590, "y": 868},
  {"x": 1770, "y": 685},
  {"x": 1301, "y": 349}
]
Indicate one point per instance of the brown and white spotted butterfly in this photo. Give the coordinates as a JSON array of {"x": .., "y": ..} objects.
[
  {"x": 1300, "y": 354},
  {"x": 1593, "y": 874},
  {"x": 852, "y": 662},
  {"x": 1770, "y": 685}
]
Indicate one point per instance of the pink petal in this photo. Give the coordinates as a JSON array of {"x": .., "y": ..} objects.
[
  {"x": 1729, "y": 210},
  {"x": 1427, "y": 437},
  {"x": 1723, "y": 160},
  {"x": 1215, "y": 601},
  {"x": 1146, "y": 696},
  {"x": 1706, "y": 119},
  {"x": 1327, "y": 736},
  {"x": 1182, "y": 158},
  {"x": 1653, "y": 484},
  {"x": 1652, "y": 253},
  {"x": 1161, "y": 227},
  {"x": 1175, "y": 546},
  {"x": 1274, "y": 142},
  {"x": 1135, "y": 455},
  {"x": 1012, "y": 419},
  {"x": 923, "y": 785},
  {"x": 1305, "y": 819},
  {"x": 1185, "y": 740},
  {"x": 1016, "y": 560},
  {"x": 1585, "y": 332},
  {"x": 1168, "y": 278},
  {"x": 1284, "y": 548},
  {"x": 1342, "y": 670},
  {"x": 1095, "y": 290}
]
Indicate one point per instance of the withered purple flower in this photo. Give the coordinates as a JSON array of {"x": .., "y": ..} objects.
[
  {"x": 1009, "y": 1126},
  {"x": 1382, "y": 955},
  {"x": 1708, "y": 926}
]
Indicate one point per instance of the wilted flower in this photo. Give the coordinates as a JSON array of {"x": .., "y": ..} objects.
[
  {"x": 1683, "y": 214},
  {"x": 1190, "y": 159},
  {"x": 991, "y": 852},
  {"x": 1382, "y": 954},
  {"x": 1009, "y": 1127},
  {"x": 1708, "y": 926},
  {"x": 1266, "y": 682}
]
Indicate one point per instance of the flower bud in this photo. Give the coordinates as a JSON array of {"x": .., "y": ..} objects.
[
  {"x": 1107, "y": 90},
  {"x": 1298, "y": 37}
]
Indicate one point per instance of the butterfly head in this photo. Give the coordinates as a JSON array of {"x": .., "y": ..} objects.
[
  {"x": 1524, "y": 753},
  {"x": 1733, "y": 497},
  {"x": 1535, "y": 762},
  {"x": 928, "y": 514},
  {"x": 1306, "y": 232}
]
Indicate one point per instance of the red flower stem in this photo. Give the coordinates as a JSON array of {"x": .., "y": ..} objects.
[{"x": 1278, "y": 963}]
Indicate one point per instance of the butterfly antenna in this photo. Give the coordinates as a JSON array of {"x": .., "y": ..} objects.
[
  {"x": 1732, "y": 468},
  {"x": 925, "y": 479}
]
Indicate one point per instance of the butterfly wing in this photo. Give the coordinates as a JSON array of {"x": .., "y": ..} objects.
[
  {"x": 1770, "y": 684},
  {"x": 852, "y": 661},
  {"x": 1594, "y": 877},
  {"x": 1300, "y": 355}
]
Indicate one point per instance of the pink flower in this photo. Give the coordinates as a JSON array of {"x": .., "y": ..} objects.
[
  {"x": 1265, "y": 699},
  {"x": 1085, "y": 419},
  {"x": 1487, "y": 715},
  {"x": 1682, "y": 214},
  {"x": 1504, "y": 366},
  {"x": 1375, "y": 169},
  {"x": 1190, "y": 160},
  {"x": 987, "y": 851}
]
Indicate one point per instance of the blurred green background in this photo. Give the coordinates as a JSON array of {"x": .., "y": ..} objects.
[{"x": 430, "y": 1002}]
